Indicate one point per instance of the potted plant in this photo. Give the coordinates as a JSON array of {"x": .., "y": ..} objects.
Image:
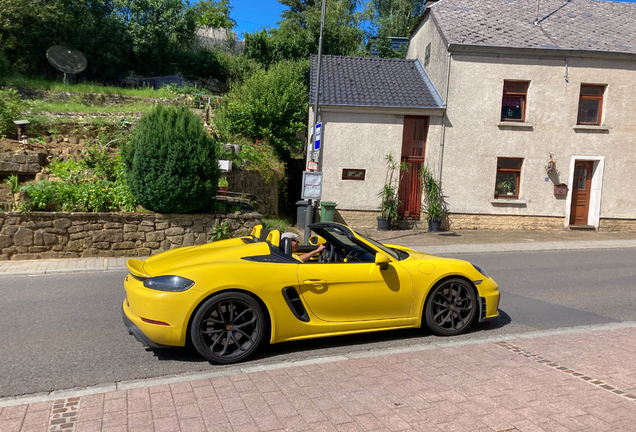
[
  {"x": 222, "y": 186},
  {"x": 507, "y": 186},
  {"x": 390, "y": 202},
  {"x": 433, "y": 200}
]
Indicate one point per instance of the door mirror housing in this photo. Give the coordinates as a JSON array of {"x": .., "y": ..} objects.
[{"x": 382, "y": 260}]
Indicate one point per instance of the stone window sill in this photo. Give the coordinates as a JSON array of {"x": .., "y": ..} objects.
[
  {"x": 590, "y": 128},
  {"x": 508, "y": 202},
  {"x": 517, "y": 125}
]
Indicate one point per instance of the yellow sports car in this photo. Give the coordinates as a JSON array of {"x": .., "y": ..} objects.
[{"x": 229, "y": 296}]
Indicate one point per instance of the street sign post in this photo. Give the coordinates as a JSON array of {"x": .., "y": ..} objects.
[
  {"x": 312, "y": 166},
  {"x": 318, "y": 136},
  {"x": 312, "y": 185}
]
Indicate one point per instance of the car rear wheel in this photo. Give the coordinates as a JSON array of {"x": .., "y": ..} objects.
[
  {"x": 228, "y": 328},
  {"x": 451, "y": 307}
]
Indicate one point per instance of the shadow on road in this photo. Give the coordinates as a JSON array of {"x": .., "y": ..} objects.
[{"x": 312, "y": 348}]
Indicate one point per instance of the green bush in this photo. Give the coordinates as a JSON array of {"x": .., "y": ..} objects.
[
  {"x": 269, "y": 105},
  {"x": 171, "y": 162},
  {"x": 11, "y": 108},
  {"x": 81, "y": 189}
]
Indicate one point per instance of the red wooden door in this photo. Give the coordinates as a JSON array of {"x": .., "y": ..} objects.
[
  {"x": 581, "y": 192},
  {"x": 413, "y": 148}
]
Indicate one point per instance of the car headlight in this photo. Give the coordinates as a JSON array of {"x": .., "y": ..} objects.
[
  {"x": 168, "y": 283},
  {"x": 480, "y": 270}
]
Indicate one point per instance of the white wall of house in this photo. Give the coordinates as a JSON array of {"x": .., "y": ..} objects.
[
  {"x": 358, "y": 138},
  {"x": 475, "y": 137},
  {"x": 357, "y": 141}
]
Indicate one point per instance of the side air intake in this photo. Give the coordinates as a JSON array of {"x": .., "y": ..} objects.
[{"x": 295, "y": 303}]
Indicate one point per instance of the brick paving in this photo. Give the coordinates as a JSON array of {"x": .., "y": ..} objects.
[{"x": 529, "y": 384}]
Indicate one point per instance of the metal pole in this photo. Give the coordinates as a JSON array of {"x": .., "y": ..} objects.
[{"x": 310, "y": 208}]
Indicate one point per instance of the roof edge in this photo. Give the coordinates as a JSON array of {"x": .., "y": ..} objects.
[{"x": 429, "y": 84}]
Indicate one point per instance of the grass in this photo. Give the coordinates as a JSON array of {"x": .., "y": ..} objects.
[
  {"x": 43, "y": 84},
  {"x": 44, "y": 107},
  {"x": 282, "y": 225}
]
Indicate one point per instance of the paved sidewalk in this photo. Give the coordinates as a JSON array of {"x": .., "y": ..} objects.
[{"x": 569, "y": 380}]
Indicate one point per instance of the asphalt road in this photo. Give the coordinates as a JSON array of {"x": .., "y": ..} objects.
[{"x": 65, "y": 330}]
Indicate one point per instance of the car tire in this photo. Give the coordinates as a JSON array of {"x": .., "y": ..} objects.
[
  {"x": 228, "y": 328},
  {"x": 451, "y": 307}
]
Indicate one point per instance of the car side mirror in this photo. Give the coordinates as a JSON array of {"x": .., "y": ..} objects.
[
  {"x": 316, "y": 240},
  {"x": 382, "y": 260}
]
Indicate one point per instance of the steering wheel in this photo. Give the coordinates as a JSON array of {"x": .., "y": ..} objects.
[{"x": 328, "y": 254}]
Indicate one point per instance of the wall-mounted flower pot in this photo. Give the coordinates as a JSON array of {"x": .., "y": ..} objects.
[{"x": 560, "y": 189}]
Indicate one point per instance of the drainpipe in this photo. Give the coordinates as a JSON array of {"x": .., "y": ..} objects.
[{"x": 441, "y": 146}]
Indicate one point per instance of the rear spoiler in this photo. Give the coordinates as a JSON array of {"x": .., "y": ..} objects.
[{"x": 136, "y": 267}]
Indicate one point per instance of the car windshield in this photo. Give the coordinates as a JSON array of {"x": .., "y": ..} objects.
[{"x": 392, "y": 252}]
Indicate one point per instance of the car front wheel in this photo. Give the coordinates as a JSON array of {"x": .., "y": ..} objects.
[
  {"x": 451, "y": 307},
  {"x": 228, "y": 328}
]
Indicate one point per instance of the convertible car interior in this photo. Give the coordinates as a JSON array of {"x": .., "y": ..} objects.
[{"x": 340, "y": 246}]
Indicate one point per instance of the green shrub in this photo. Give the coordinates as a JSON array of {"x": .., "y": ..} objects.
[
  {"x": 270, "y": 105},
  {"x": 81, "y": 188},
  {"x": 220, "y": 231},
  {"x": 11, "y": 108},
  {"x": 171, "y": 162}
]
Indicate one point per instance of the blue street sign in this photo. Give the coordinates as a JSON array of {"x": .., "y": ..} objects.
[{"x": 317, "y": 142}]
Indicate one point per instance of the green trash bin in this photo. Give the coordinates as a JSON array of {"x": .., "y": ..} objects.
[{"x": 327, "y": 211}]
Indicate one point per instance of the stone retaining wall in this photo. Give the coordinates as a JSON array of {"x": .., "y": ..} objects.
[
  {"x": 43, "y": 235},
  {"x": 21, "y": 162}
]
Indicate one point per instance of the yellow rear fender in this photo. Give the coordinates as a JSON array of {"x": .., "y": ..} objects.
[{"x": 205, "y": 296}]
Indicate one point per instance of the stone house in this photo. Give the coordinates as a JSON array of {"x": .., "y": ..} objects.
[{"x": 537, "y": 130}]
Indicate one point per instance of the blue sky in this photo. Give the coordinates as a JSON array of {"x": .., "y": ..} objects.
[{"x": 253, "y": 15}]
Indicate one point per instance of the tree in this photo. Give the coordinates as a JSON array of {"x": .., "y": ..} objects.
[
  {"x": 214, "y": 13},
  {"x": 299, "y": 31},
  {"x": 392, "y": 18},
  {"x": 270, "y": 104},
  {"x": 171, "y": 162},
  {"x": 158, "y": 31}
]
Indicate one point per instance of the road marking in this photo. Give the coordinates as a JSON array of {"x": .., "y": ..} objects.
[{"x": 238, "y": 369}]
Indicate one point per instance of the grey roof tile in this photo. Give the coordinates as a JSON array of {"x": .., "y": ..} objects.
[
  {"x": 373, "y": 82},
  {"x": 563, "y": 24}
]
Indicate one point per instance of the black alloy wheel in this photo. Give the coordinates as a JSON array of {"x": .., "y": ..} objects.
[
  {"x": 228, "y": 328},
  {"x": 451, "y": 307}
]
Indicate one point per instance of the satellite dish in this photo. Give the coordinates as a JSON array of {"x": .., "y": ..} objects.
[{"x": 67, "y": 60}]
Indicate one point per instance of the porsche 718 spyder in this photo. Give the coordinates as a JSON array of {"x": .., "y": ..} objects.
[{"x": 229, "y": 296}]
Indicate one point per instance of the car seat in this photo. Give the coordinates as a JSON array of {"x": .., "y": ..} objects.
[{"x": 286, "y": 246}]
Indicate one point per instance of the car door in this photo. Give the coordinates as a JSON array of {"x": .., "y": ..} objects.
[{"x": 351, "y": 291}]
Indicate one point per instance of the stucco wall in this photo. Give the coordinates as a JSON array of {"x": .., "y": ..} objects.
[
  {"x": 436, "y": 69},
  {"x": 73, "y": 235},
  {"x": 356, "y": 140},
  {"x": 474, "y": 140},
  {"x": 361, "y": 140}
]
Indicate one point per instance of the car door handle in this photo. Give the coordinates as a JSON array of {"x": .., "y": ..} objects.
[{"x": 314, "y": 281}]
